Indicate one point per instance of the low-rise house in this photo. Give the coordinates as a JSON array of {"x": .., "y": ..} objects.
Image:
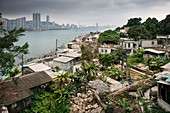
[
  {"x": 153, "y": 52},
  {"x": 164, "y": 89},
  {"x": 63, "y": 63},
  {"x": 166, "y": 39},
  {"x": 130, "y": 46},
  {"x": 35, "y": 67},
  {"x": 18, "y": 96},
  {"x": 74, "y": 55},
  {"x": 77, "y": 45},
  {"x": 107, "y": 48}
]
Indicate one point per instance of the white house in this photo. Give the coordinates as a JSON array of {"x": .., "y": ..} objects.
[
  {"x": 63, "y": 63},
  {"x": 35, "y": 67}
]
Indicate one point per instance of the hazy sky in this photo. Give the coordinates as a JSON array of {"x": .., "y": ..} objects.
[{"x": 104, "y": 12}]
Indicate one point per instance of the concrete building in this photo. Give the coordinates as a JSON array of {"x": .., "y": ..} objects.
[
  {"x": 63, "y": 63},
  {"x": 35, "y": 67},
  {"x": 166, "y": 39},
  {"x": 21, "y": 22},
  {"x": 36, "y": 21},
  {"x": 11, "y": 24},
  {"x": 153, "y": 52},
  {"x": 29, "y": 25},
  {"x": 148, "y": 44},
  {"x": 47, "y": 21},
  {"x": 164, "y": 89}
]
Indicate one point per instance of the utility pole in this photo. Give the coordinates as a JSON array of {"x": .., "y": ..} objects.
[
  {"x": 22, "y": 57},
  {"x": 56, "y": 45},
  {"x": 122, "y": 57}
]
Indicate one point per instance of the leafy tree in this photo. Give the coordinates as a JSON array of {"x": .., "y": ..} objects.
[
  {"x": 91, "y": 69},
  {"x": 133, "y": 21},
  {"x": 155, "y": 63},
  {"x": 118, "y": 55},
  {"x": 8, "y": 51},
  {"x": 87, "y": 52},
  {"x": 151, "y": 24},
  {"x": 138, "y": 32},
  {"x": 164, "y": 26},
  {"x": 109, "y": 37},
  {"x": 105, "y": 60},
  {"x": 136, "y": 58}
]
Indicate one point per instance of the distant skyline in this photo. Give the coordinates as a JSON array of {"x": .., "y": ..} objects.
[{"x": 87, "y": 12}]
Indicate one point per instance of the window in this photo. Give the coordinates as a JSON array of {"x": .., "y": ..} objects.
[
  {"x": 165, "y": 93},
  {"x": 102, "y": 50},
  {"x": 106, "y": 51},
  {"x": 129, "y": 45},
  {"x": 152, "y": 42}
]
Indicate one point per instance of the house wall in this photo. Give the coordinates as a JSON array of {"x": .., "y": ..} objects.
[
  {"x": 75, "y": 46},
  {"x": 20, "y": 105},
  {"x": 149, "y": 43},
  {"x": 105, "y": 50},
  {"x": 61, "y": 65}
]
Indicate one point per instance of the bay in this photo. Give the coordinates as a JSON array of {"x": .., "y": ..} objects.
[{"x": 44, "y": 42}]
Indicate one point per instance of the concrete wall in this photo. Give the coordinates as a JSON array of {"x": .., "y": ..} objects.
[
  {"x": 149, "y": 43},
  {"x": 61, "y": 65}
]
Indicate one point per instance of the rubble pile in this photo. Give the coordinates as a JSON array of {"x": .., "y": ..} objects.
[{"x": 85, "y": 103}]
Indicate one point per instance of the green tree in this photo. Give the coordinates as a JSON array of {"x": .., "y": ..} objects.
[
  {"x": 109, "y": 37},
  {"x": 118, "y": 55},
  {"x": 133, "y": 21},
  {"x": 151, "y": 24},
  {"x": 164, "y": 26},
  {"x": 8, "y": 51},
  {"x": 105, "y": 60},
  {"x": 138, "y": 32}
]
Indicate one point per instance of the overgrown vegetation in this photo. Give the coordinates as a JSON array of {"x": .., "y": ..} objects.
[{"x": 109, "y": 37}]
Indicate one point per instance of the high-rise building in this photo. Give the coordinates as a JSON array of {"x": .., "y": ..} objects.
[
  {"x": 48, "y": 20},
  {"x": 97, "y": 25},
  {"x": 21, "y": 22},
  {"x": 36, "y": 21},
  {"x": 11, "y": 24}
]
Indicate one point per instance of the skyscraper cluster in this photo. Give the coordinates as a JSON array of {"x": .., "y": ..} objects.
[{"x": 34, "y": 25}]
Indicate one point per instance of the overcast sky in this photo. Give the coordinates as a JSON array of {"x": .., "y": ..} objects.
[{"x": 86, "y": 12}]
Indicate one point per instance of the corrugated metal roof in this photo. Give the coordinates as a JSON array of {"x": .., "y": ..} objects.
[
  {"x": 154, "y": 51},
  {"x": 36, "y": 67}
]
